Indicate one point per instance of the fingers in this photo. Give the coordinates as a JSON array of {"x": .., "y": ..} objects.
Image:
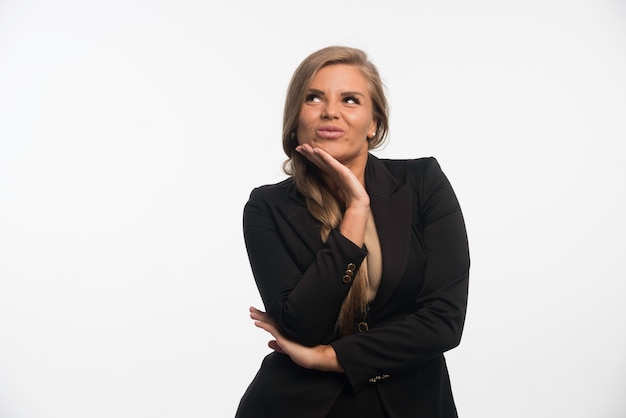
[
  {"x": 320, "y": 158},
  {"x": 275, "y": 346},
  {"x": 328, "y": 164},
  {"x": 258, "y": 315},
  {"x": 313, "y": 155},
  {"x": 263, "y": 321},
  {"x": 252, "y": 310},
  {"x": 343, "y": 177},
  {"x": 267, "y": 327}
]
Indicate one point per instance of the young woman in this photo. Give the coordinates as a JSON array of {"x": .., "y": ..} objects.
[{"x": 362, "y": 263}]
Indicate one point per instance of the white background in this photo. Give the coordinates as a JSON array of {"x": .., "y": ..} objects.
[{"x": 131, "y": 133}]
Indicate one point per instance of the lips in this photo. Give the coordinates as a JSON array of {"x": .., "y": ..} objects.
[{"x": 329, "y": 132}]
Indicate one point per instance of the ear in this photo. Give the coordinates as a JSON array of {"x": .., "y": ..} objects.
[{"x": 371, "y": 132}]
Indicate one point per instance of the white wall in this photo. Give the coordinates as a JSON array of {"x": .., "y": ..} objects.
[{"x": 131, "y": 133}]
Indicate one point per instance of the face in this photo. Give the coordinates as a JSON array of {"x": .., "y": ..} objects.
[{"x": 337, "y": 114}]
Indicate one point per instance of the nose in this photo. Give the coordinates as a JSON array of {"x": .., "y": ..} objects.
[{"x": 329, "y": 111}]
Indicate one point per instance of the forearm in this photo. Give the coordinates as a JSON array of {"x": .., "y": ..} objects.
[
  {"x": 299, "y": 277},
  {"x": 320, "y": 357},
  {"x": 325, "y": 359},
  {"x": 352, "y": 225},
  {"x": 308, "y": 310},
  {"x": 407, "y": 341}
]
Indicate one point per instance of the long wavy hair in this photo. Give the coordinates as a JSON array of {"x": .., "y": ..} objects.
[{"x": 320, "y": 201}]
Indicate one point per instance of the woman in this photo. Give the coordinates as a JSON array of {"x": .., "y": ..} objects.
[{"x": 362, "y": 263}]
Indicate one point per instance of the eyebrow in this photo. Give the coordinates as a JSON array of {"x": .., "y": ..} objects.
[{"x": 344, "y": 94}]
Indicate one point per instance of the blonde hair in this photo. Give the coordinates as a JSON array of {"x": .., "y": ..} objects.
[{"x": 320, "y": 201}]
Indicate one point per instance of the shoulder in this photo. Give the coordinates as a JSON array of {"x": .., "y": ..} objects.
[
  {"x": 430, "y": 185},
  {"x": 273, "y": 192},
  {"x": 411, "y": 170},
  {"x": 417, "y": 164}
]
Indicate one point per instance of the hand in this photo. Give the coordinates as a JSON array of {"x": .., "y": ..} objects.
[
  {"x": 355, "y": 196},
  {"x": 321, "y": 357},
  {"x": 346, "y": 182}
]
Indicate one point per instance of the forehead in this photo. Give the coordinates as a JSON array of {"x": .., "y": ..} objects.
[{"x": 340, "y": 76}]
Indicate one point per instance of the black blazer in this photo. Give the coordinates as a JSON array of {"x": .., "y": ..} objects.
[{"x": 418, "y": 312}]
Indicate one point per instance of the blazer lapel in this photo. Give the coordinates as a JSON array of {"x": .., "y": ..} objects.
[{"x": 391, "y": 205}]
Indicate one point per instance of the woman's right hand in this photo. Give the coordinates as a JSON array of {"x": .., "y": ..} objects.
[
  {"x": 356, "y": 199},
  {"x": 345, "y": 180}
]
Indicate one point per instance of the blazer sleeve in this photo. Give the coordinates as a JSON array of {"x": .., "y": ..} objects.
[
  {"x": 437, "y": 323},
  {"x": 302, "y": 288}
]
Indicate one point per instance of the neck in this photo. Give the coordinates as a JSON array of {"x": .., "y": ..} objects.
[{"x": 357, "y": 166}]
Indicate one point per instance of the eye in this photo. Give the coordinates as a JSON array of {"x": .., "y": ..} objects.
[
  {"x": 312, "y": 98},
  {"x": 351, "y": 100}
]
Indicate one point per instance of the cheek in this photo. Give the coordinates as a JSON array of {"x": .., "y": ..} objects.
[
  {"x": 305, "y": 117},
  {"x": 304, "y": 126},
  {"x": 301, "y": 133},
  {"x": 363, "y": 124}
]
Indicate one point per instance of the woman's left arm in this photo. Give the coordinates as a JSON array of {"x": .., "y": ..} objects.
[
  {"x": 319, "y": 357},
  {"x": 436, "y": 324}
]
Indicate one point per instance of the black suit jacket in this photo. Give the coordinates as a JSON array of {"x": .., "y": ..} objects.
[{"x": 418, "y": 312}]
